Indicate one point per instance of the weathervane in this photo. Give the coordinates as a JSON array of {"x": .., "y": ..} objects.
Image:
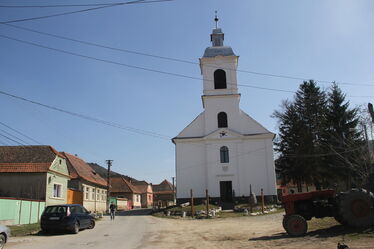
[{"x": 216, "y": 19}]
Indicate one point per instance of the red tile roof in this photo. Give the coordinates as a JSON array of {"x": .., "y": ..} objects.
[
  {"x": 121, "y": 185},
  {"x": 80, "y": 169},
  {"x": 24, "y": 167},
  {"x": 164, "y": 187},
  {"x": 28, "y": 154},
  {"x": 30, "y": 159},
  {"x": 142, "y": 186}
]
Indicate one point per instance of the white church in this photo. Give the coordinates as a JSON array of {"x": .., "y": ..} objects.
[{"x": 223, "y": 149}]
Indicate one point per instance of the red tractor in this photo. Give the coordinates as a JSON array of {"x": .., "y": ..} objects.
[{"x": 354, "y": 208}]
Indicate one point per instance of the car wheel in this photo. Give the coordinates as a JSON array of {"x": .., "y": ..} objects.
[
  {"x": 92, "y": 224},
  {"x": 2, "y": 241},
  {"x": 76, "y": 227}
]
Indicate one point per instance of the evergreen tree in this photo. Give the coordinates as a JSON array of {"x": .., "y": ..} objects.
[
  {"x": 300, "y": 141},
  {"x": 342, "y": 137}
]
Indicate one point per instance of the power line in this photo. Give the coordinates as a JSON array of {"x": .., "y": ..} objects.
[
  {"x": 11, "y": 139},
  {"x": 147, "y": 69},
  {"x": 82, "y": 10},
  {"x": 112, "y": 124},
  {"x": 137, "y": 67},
  {"x": 60, "y": 5},
  {"x": 15, "y": 137},
  {"x": 176, "y": 59},
  {"x": 20, "y": 133}
]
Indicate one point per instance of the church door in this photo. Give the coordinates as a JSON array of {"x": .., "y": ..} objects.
[{"x": 225, "y": 191}]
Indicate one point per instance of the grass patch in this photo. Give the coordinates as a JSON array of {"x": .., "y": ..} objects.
[
  {"x": 23, "y": 230},
  {"x": 196, "y": 208}
]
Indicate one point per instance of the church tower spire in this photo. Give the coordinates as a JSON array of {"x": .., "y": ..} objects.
[
  {"x": 218, "y": 67},
  {"x": 217, "y": 36}
]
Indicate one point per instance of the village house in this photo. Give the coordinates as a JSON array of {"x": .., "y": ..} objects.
[
  {"x": 146, "y": 193},
  {"x": 122, "y": 188},
  {"x": 163, "y": 194},
  {"x": 223, "y": 150},
  {"x": 33, "y": 172},
  {"x": 86, "y": 187}
]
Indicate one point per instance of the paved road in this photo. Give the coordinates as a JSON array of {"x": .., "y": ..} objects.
[{"x": 125, "y": 232}]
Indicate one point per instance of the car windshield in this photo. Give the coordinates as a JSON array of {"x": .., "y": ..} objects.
[{"x": 55, "y": 210}]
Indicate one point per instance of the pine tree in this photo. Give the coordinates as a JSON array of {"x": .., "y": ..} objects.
[
  {"x": 343, "y": 137},
  {"x": 302, "y": 124}
]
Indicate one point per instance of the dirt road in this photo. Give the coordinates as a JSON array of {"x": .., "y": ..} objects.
[{"x": 138, "y": 232}]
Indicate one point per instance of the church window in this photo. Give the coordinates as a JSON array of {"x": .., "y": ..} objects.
[
  {"x": 224, "y": 154},
  {"x": 222, "y": 120},
  {"x": 220, "y": 79}
]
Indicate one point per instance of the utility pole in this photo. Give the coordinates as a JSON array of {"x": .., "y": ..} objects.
[
  {"x": 109, "y": 163},
  {"x": 173, "y": 190}
]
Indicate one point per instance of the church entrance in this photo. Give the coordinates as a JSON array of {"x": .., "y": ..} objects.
[{"x": 226, "y": 194}]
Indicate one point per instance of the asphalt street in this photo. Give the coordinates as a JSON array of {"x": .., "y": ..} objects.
[{"x": 125, "y": 232}]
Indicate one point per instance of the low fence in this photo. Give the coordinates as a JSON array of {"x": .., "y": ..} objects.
[{"x": 20, "y": 211}]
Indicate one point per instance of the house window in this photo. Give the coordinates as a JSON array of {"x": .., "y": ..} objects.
[
  {"x": 224, "y": 154},
  {"x": 98, "y": 195},
  {"x": 93, "y": 194},
  {"x": 57, "y": 190},
  {"x": 87, "y": 194},
  {"x": 220, "y": 79},
  {"x": 222, "y": 120}
]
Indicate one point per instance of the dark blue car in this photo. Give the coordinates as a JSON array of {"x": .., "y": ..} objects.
[{"x": 70, "y": 217}]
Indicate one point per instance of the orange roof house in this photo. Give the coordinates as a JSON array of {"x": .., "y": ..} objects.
[
  {"x": 36, "y": 172},
  {"x": 163, "y": 194},
  {"x": 122, "y": 188},
  {"x": 146, "y": 193},
  {"x": 86, "y": 187}
]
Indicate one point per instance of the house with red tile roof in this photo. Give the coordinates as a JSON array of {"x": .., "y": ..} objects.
[
  {"x": 86, "y": 187},
  {"x": 122, "y": 188},
  {"x": 37, "y": 172},
  {"x": 146, "y": 193},
  {"x": 163, "y": 194}
]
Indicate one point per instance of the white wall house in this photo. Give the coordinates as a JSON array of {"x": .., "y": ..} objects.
[{"x": 223, "y": 150}]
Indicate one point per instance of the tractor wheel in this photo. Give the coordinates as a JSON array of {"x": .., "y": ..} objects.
[
  {"x": 284, "y": 221},
  {"x": 356, "y": 208},
  {"x": 339, "y": 219},
  {"x": 295, "y": 225}
]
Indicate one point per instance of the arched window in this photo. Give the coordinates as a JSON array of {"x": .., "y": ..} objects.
[
  {"x": 224, "y": 154},
  {"x": 219, "y": 79},
  {"x": 222, "y": 120}
]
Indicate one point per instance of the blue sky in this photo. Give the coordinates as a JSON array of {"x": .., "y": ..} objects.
[{"x": 321, "y": 40}]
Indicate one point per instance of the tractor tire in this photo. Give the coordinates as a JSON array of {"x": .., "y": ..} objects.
[
  {"x": 284, "y": 221},
  {"x": 295, "y": 225},
  {"x": 356, "y": 208}
]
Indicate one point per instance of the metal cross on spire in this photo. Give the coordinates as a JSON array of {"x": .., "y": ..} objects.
[{"x": 216, "y": 19}]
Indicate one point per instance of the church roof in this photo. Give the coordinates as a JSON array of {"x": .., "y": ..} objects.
[{"x": 216, "y": 51}]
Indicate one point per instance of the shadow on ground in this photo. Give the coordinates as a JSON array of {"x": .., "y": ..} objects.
[{"x": 338, "y": 230}]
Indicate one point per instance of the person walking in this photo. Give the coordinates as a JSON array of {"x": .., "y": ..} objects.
[{"x": 112, "y": 208}]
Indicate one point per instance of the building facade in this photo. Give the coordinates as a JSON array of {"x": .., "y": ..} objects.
[
  {"x": 89, "y": 187},
  {"x": 33, "y": 172},
  {"x": 223, "y": 150}
]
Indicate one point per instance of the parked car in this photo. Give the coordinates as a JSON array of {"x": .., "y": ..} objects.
[
  {"x": 70, "y": 217},
  {"x": 4, "y": 235}
]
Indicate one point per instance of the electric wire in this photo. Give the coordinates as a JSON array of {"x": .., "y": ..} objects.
[
  {"x": 15, "y": 137},
  {"x": 20, "y": 133},
  {"x": 11, "y": 139},
  {"x": 82, "y": 10},
  {"x": 112, "y": 124},
  {"x": 138, "y": 67},
  {"x": 176, "y": 59},
  {"x": 61, "y": 5},
  {"x": 145, "y": 68}
]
